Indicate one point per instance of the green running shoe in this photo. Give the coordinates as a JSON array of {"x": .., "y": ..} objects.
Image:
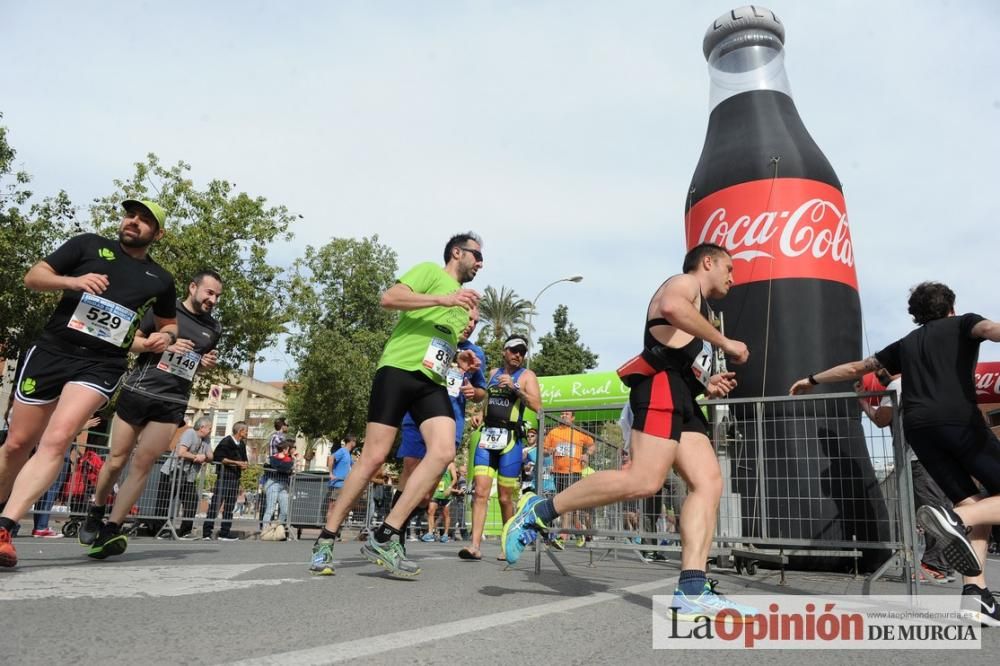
[
  {"x": 108, "y": 543},
  {"x": 390, "y": 556},
  {"x": 523, "y": 528},
  {"x": 322, "y": 558}
]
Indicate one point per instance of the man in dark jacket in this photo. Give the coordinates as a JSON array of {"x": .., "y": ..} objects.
[{"x": 231, "y": 456}]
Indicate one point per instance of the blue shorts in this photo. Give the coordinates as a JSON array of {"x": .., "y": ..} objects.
[
  {"x": 505, "y": 465},
  {"x": 412, "y": 443}
]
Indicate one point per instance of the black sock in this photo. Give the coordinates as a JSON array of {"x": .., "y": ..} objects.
[
  {"x": 113, "y": 527},
  {"x": 98, "y": 511},
  {"x": 327, "y": 534},
  {"x": 691, "y": 582},
  {"x": 7, "y": 524},
  {"x": 546, "y": 510},
  {"x": 384, "y": 532}
]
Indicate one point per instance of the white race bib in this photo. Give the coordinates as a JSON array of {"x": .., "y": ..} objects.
[
  {"x": 102, "y": 319},
  {"x": 182, "y": 365},
  {"x": 565, "y": 449},
  {"x": 438, "y": 357},
  {"x": 454, "y": 381},
  {"x": 702, "y": 365},
  {"x": 494, "y": 439}
]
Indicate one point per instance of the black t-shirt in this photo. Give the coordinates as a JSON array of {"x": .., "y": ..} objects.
[
  {"x": 105, "y": 324},
  {"x": 938, "y": 363},
  {"x": 166, "y": 375},
  {"x": 233, "y": 450}
]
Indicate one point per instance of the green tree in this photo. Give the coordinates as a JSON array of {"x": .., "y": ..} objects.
[
  {"x": 28, "y": 232},
  {"x": 340, "y": 330},
  {"x": 560, "y": 351},
  {"x": 220, "y": 229}
]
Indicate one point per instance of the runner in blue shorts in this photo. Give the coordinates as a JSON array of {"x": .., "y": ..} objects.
[{"x": 499, "y": 442}]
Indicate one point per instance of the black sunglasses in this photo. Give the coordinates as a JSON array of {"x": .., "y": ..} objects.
[
  {"x": 518, "y": 350},
  {"x": 475, "y": 253}
]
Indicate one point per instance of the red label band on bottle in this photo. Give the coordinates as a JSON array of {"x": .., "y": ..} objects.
[
  {"x": 778, "y": 228},
  {"x": 987, "y": 382}
]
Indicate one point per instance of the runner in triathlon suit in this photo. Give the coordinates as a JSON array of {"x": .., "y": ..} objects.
[
  {"x": 499, "y": 442},
  {"x": 152, "y": 403},
  {"x": 946, "y": 430},
  {"x": 76, "y": 365},
  {"x": 462, "y": 387},
  {"x": 411, "y": 377},
  {"x": 668, "y": 428}
]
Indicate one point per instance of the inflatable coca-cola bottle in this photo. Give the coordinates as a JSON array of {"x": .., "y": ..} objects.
[{"x": 764, "y": 191}]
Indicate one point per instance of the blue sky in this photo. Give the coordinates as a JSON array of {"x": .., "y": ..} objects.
[{"x": 563, "y": 132}]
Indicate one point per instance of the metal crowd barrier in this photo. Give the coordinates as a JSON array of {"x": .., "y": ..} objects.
[
  {"x": 175, "y": 504},
  {"x": 807, "y": 483}
]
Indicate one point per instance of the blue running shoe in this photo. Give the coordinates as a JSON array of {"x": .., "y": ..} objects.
[
  {"x": 428, "y": 538},
  {"x": 522, "y": 529},
  {"x": 708, "y": 604}
]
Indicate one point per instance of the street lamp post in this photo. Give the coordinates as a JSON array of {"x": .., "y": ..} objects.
[{"x": 531, "y": 313}]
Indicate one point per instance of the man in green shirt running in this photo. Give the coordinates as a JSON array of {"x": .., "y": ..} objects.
[{"x": 411, "y": 377}]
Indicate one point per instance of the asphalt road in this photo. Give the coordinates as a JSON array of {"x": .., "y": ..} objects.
[{"x": 255, "y": 603}]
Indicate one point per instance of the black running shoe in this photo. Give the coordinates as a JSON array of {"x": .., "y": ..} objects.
[
  {"x": 91, "y": 525},
  {"x": 109, "y": 542},
  {"x": 978, "y": 604},
  {"x": 956, "y": 548}
]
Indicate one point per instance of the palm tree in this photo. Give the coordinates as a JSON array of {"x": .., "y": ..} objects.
[{"x": 503, "y": 313}]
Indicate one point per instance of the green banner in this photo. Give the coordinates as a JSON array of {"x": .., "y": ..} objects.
[{"x": 593, "y": 390}]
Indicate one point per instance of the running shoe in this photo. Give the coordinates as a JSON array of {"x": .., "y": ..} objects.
[
  {"x": 110, "y": 541},
  {"x": 956, "y": 549},
  {"x": 47, "y": 533},
  {"x": 322, "y": 558},
  {"x": 979, "y": 605},
  {"x": 580, "y": 541},
  {"x": 708, "y": 604},
  {"x": 934, "y": 575},
  {"x": 428, "y": 538},
  {"x": 444, "y": 538},
  {"x": 522, "y": 529},
  {"x": 389, "y": 556},
  {"x": 8, "y": 555},
  {"x": 228, "y": 537},
  {"x": 91, "y": 526},
  {"x": 557, "y": 543}
]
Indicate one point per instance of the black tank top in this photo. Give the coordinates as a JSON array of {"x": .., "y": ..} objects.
[{"x": 676, "y": 358}]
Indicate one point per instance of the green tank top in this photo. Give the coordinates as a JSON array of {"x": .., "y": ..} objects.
[{"x": 443, "y": 485}]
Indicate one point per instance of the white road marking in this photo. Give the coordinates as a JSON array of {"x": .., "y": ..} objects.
[
  {"x": 372, "y": 645},
  {"x": 93, "y": 581}
]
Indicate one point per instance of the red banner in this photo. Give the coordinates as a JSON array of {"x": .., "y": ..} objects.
[
  {"x": 988, "y": 382},
  {"x": 780, "y": 228}
]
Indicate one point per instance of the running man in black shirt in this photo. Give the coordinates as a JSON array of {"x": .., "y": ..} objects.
[
  {"x": 76, "y": 365},
  {"x": 945, "y": 429},
  {"x": 152, "y": 403}
]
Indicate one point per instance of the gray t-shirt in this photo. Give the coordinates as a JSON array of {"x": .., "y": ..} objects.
[{"x": 195, "y": 445}]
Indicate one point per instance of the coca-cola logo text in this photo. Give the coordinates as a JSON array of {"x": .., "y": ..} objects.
[
  {"x": 988, "y": 382},
  {"x": 782, "y": 228}
]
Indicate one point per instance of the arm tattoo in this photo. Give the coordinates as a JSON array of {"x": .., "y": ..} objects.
[{"x": 871, "y": 364}]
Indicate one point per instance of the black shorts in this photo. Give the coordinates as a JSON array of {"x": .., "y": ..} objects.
[
  {"x": 954, "y": 455},
  {"x": 396, "y": 392},
  {"x": 663, "y": 406},
  {"x": 443, "y": 502},
  {"x": 138, "y": 410},
  {"x": 44, "y": 372}
]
